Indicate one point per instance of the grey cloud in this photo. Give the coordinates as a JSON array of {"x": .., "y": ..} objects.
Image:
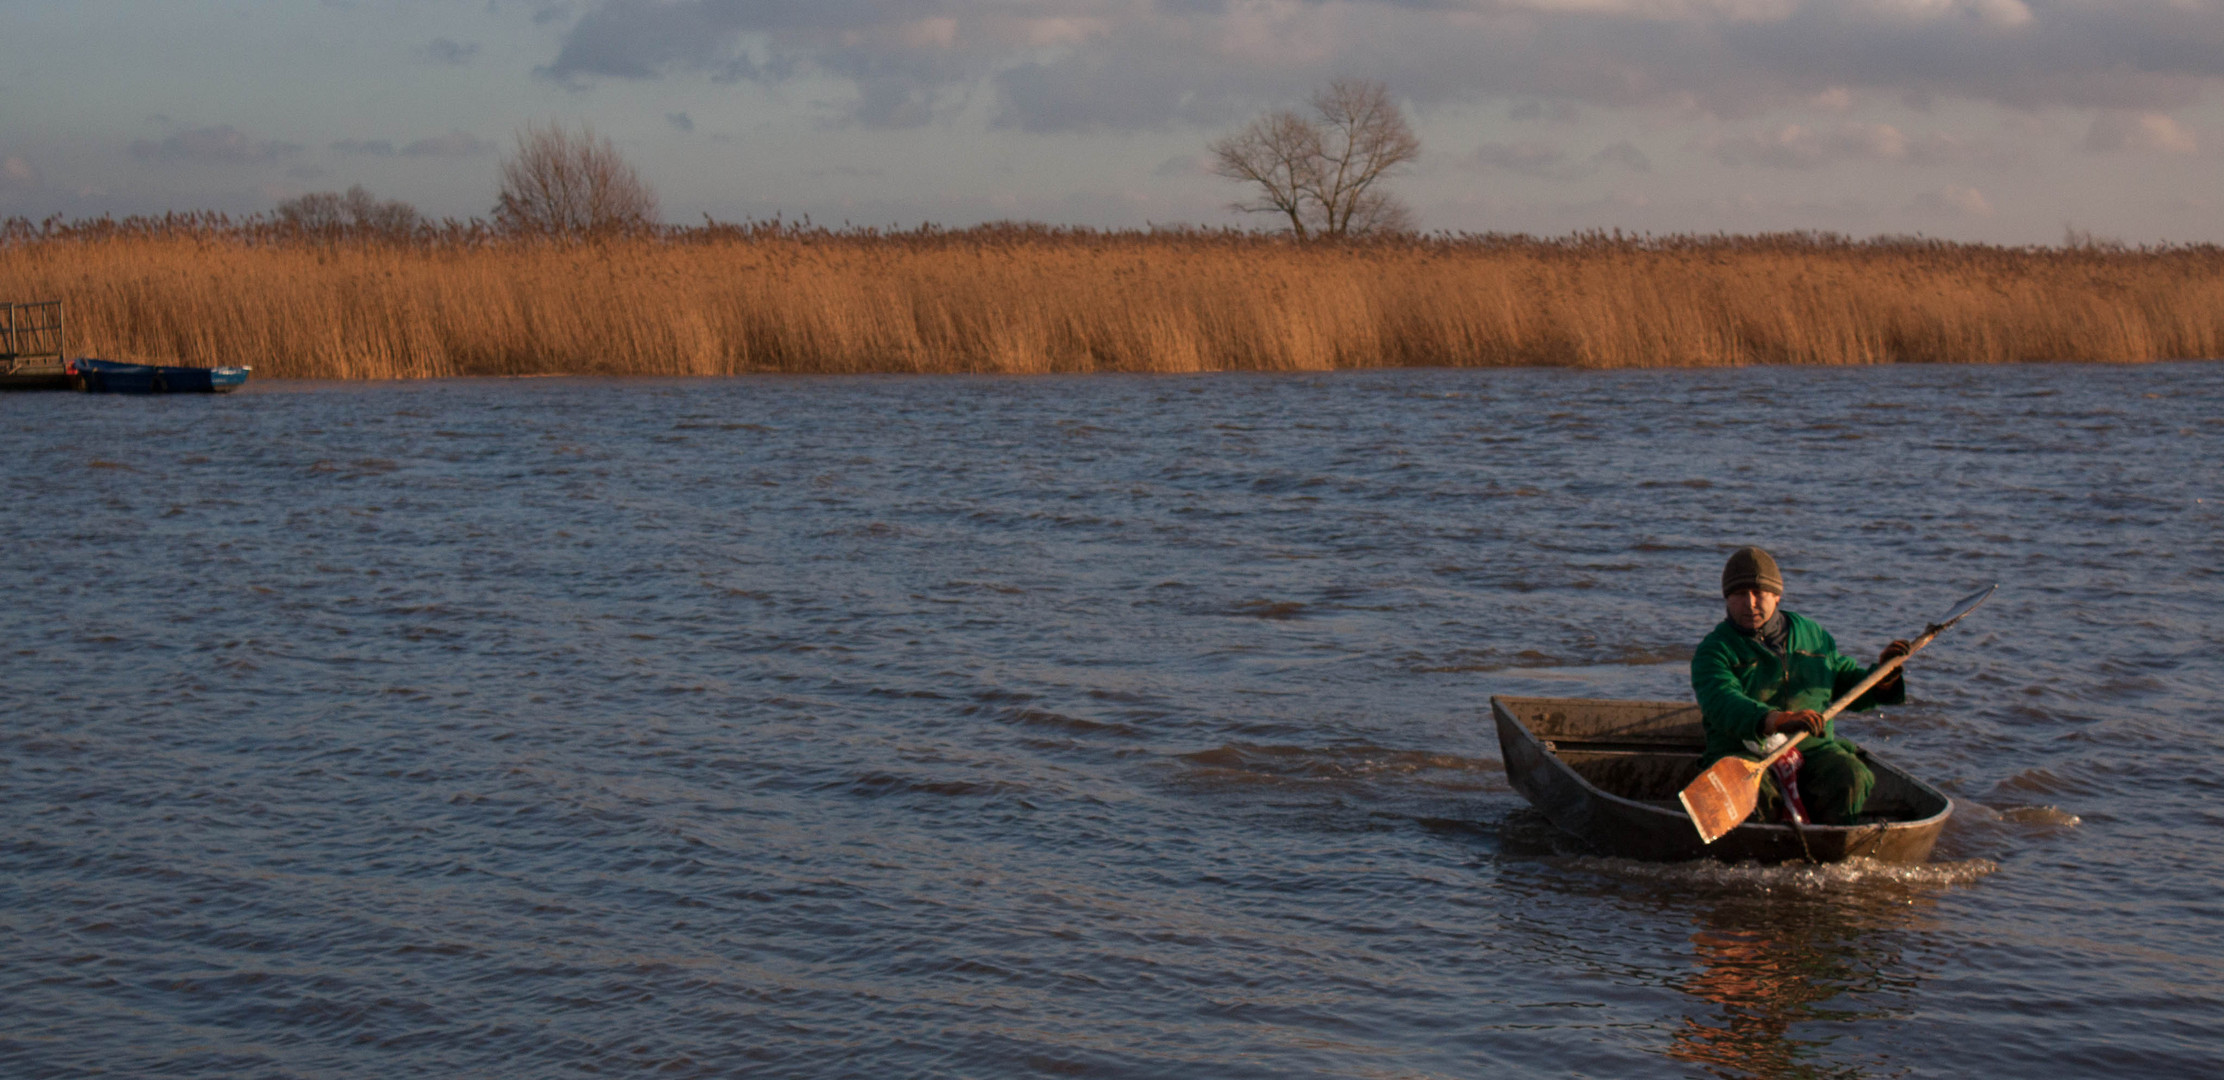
[
  {"x": 1551, "y": 163},
  {"x": 680, "y": 121},
  {"x": 1526, "y": 158},
  {"x": 2115, "y": 131},
  {"x": 631, "y": 39},
  {"x": 1942, "y": 149},
  {"x": 641, "y": 39},
  {"x": 1084, "y": 96},
  {"x": 1952, "y": 201},
  {"x": 444, "y": 51},
  {"x": 907, "y": 65},
  {"x": 17, "y": 174},
  {"x": 905, "y": 68},
  {"x": 2066, "y": 52},
  {"x": 1558, "y": 112},
  {"x": 1075, "y": 65},
  {"x": 1797, "y": 146},
  {"x": 1181, "y": 165},
  {"x": 1625, "y": 155},
  {"x": 892, "y": 103},
  {"x": 223, "y": 143},
  {"x": 453, "y": 144}
]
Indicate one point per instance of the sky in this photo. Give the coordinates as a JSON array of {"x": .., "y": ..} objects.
[{"x": 2008, "y": 121}]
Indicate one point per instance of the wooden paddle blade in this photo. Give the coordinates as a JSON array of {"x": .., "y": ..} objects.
[{"x": 1722, "y": 797}]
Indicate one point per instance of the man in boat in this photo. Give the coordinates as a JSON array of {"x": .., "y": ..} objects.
[{"x": 1764, "y": 675}]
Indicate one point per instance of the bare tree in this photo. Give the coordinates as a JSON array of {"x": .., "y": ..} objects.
[
  {"x": 560, "y": 183},
  {"x": 317, "y": 211},
  {"x": 1281, "y": 153},
  {"x": 1365, "y": 139},
  {"x": 331, "y": 211},
  {"x": 391, "y": 216},
  {"x": 1321, "y": 173}
]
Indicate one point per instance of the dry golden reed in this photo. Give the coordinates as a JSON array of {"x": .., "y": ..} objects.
[{"x": 723, "y": 299}]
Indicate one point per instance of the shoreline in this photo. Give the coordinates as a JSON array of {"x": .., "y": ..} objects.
[{"x": 620, "y": 376}]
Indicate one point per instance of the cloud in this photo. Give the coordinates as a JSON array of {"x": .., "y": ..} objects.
[
  {"x": 1625, "y": 155},
  {"x": 1551, "y": 163},
  {"x": 223, "y": 143},
  {"x": 453, "y": 144},
  {"x": 1077, "y": 65},
  {"x": 680, "y": 121},
  {"x": 904, "y": 69},
  {"x": 1834, "y": 99},
  {"x": 1953, "y": 201},
  {"x": 1557, "y": 112},
  {"x": 444, "y": 51},
  {"x": 1797, "y": 146},
  {"x": 640, "y": 39},
  {"x": 17, "y": 174},
  {"x": 2150, "y": 132},
  {"x": 1142, "y": 91}
]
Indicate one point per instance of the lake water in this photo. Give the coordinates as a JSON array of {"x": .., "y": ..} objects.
[{"x": 1099, "y": 727}]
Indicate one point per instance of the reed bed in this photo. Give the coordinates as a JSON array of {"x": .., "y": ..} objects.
[{"x": 717, "y": 300}]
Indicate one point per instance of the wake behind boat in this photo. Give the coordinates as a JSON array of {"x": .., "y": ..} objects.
[{"x": 1609, "y": 771}]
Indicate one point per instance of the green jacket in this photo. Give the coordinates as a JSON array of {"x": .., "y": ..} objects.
[{"x": 1739, "y": 682}]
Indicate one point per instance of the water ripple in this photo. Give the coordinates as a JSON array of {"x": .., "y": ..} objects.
[{"x": 1107, "y": 726}]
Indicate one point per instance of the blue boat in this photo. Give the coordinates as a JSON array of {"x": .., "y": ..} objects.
[{"x": 116, "y": 377}]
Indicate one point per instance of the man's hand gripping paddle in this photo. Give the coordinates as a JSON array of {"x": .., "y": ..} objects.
[{"x": 1724, "y": 795}]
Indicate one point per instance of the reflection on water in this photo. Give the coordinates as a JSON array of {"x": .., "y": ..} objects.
[
  {"x": 1777, "y": 964},
  {"x": 1764, "y": 968}
]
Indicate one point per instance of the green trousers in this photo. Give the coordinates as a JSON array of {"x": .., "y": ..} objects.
[{"x": 1834, "y": 783}]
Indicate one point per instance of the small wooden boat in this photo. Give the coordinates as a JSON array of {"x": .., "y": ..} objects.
[
  {"x": 116, "y": 377},
  {"x": 1608, "y": 771}
]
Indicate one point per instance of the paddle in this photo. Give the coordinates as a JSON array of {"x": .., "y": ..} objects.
[{"x": 1724, "y": 795}]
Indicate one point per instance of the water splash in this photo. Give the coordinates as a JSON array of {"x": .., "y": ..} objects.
[{"x": 1852, "y": 875}]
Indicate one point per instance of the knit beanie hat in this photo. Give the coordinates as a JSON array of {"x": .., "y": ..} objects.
[{"x": 1751, "y": 568}]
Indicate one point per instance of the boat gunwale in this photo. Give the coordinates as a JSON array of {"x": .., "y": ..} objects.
[{"x": 121, "y": 366}]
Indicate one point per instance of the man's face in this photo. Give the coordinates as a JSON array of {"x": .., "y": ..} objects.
[{"x": 1749, "y": 608}]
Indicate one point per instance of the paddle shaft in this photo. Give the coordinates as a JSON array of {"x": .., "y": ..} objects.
[{"x": 1883, "y": 671}]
